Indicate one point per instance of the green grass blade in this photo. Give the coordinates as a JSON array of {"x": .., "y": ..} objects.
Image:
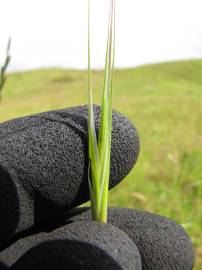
[
  {"x": 92, "y": 148},
  {"x": 5, "y": 65},
  {"x": 104, "y": 111},
  {"x": 103, "y": 130},
  {"x": 92, "y": 197},
  {"x": 108, "y": 121},
  {"x": 99, "y": 152}
]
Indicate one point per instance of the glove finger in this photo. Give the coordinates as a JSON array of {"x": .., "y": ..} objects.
[
  {"x": 163, "y": 244},
  {"x": 44, "y": 165},
  {"x": 81, "y": 245}
]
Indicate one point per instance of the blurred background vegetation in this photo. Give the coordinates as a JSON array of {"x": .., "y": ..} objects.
[{"x": 164, "y": 101}]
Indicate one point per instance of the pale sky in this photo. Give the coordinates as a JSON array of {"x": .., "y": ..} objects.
[{"x": 47, "y": 33}]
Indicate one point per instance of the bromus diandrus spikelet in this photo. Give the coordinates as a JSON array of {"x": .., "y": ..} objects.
[
  {"x": 5, "y": 65},
  {"x": 99, "y": 150}
]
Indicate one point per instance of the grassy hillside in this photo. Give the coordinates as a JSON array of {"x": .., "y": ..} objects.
[{"x": 164, "y": 101}]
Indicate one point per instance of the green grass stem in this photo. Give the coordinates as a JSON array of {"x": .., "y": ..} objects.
[
  {"x": 99, "y": 151},
  {"x": 5, "y": 65}
]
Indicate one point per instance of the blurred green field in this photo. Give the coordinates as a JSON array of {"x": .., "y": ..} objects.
[{"x": 164, "y": 101}]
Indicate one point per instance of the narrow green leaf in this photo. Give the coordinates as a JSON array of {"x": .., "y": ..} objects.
[
  {"x": 5, "y": 65},
  {"x": 100, "y": 152},
  {"x": 108, "y": 121},
  {"x": 92, "y": 197},
  {"x": 93, "y": 150}
]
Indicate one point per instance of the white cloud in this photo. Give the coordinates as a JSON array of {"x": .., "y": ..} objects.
[{"x": 54, "y": 33}]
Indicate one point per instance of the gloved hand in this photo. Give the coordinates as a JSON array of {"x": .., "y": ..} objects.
[{"x": 43, "y": 177}]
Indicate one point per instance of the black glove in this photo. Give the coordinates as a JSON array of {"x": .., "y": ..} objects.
[
  {"x": 137, "y": 240},
  {"x": 44, "y": 165},
  {"x": 43, "y": 175}
]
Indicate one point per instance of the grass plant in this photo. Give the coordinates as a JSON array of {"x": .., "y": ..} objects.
[
  {"x": 99, "y": 150},
  {"x": 5, "y": 65}
]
